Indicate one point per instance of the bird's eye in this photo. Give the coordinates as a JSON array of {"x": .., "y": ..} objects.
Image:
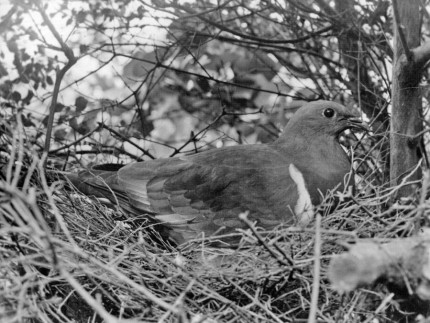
[{"x": 328, "y": 113}]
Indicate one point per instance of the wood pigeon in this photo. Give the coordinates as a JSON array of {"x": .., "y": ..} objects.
[{"x": 204, "y": 193}]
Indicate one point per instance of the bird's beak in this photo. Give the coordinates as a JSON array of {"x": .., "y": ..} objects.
[{"x": 357, "y": 123}]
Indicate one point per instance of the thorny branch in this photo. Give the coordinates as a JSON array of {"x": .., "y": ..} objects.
[{"x": 125, "y": 139}]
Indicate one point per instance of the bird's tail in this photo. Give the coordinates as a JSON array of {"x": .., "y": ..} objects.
[{"x": 100, "y": 181}]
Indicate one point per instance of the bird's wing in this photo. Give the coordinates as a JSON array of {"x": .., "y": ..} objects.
[{"x": 207, "y": 191}]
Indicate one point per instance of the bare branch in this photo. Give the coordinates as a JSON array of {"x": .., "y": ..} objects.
[
  {"x": 178, "y": 70},
  {"x": 116, "y": 133},
  {"x": 317, "y": 271},
  {"x": 224, "y": 28},
  {"x": 288, "y": 262},
  {"x": 59, "y": 74},
  {"x": 76, "y": 141}
]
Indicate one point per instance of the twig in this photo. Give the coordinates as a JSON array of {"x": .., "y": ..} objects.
[
  {"x": 222, "y": 27},
  {"x": 422, "y": 207},
  {"x": 194, "y": 136},
  {"x": 366, "y": 210},
  {"x": 317, "y": 268},
  {"x": 49, "y": 189},
  {"x": 178, "y": 70},
  {"x": 360, "y": 49},
  {"x": 116, "y": 133},
  {"x": 255, "y": 300},
  {"x": 108, "y": 318},
  {"x": 244, "y": 217},
  {"x": 76, "y": 141},
  {"x": 178, "y": 301},
  {"x": 381, "y": 307},
  {"x": 104, "y": 150}
]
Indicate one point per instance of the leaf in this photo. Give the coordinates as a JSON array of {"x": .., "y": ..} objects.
[
  {"x": 140, "y": 66},
  {"x": 12, "y": 45},
  {"x": 63, "y": 118},
  {"x": 41, "y": 49},
  {"x": 3, "y": 71},
  {"x": 80, "y": 18},
  {"x": 32, "y": 34},
  {"x": 73, "y": 123},
  {"x": 15, "y": 96},
  {"x": 28, "y": 98},
  {"x": 8, "y": 105},
  {"x": 60, "y": 134},
  {"x": 203, "y": 83},
  {"x": 82, "y": 128},
  {"x": 83, "y": 48},
  {"x": 45, "y": 121},
  {"x": 80, "y": 103},
  {"x": 24, "y": 55},
  {"x": 26, "y": 121},
  {"x": 49, "y": 80},
  {"x": 143, "y": 127},
  {"x": 107, "y": 12},
  {"x": 59, "y": 107}
]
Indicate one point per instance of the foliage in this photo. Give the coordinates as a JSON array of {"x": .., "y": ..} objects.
[{"x": 175, "y": 77}]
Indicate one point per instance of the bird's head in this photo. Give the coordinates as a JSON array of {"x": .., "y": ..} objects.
[{"x": 323, "y": 118}]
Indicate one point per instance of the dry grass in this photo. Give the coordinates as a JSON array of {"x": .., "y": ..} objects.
[{"x": 67, "y": 258}]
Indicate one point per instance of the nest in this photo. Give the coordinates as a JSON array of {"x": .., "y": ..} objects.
[{"x": 69, "y": 258}]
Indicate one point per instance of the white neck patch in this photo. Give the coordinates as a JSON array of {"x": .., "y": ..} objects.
[{"x": 304, "y": 208}]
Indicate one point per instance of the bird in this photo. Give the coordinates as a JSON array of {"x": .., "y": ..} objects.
[{"x": 202, "y": 195}]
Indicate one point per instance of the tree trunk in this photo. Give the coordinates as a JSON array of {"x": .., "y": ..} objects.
[{"x": 406, "y": 120}]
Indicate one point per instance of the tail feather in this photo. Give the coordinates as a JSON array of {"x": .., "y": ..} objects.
[{"x": 100, "y": 182}]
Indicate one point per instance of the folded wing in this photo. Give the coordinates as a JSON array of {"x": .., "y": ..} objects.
[{"x": 206, "y": 192}]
